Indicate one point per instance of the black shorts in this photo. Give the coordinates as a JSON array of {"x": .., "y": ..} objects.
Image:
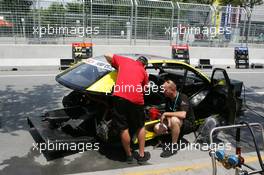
[{"x": 127, "y": 115}]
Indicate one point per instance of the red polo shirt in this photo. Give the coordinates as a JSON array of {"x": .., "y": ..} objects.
[{"x": 131, "y": 79}]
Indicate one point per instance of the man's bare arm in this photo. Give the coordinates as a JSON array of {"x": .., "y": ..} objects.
[
  {"x": 109, "y": 57},
  {"x": 178, "y": 114}
]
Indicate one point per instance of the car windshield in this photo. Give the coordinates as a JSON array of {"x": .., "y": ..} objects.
[{"x": 84, "y": 74}]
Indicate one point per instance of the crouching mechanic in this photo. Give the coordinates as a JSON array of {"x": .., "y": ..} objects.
[
  {"x": 178, "y": 116},
  {"x": 128, "y": 103}
]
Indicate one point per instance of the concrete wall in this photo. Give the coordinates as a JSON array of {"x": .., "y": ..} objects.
[{"x": 46, "y": 55}]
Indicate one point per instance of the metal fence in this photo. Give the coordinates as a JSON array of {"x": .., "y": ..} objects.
[
  {"x": 126, "y": 22},
  {"x": 191, "y": 21}
]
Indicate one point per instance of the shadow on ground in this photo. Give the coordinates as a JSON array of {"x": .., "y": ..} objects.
[
  {"x": 16, "y": 106},
  {"x": 83, "y": 162},
  {"x": 254, "y": 113}
]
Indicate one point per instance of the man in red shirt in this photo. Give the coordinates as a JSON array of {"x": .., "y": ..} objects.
[{"x": 128, "y": 103}]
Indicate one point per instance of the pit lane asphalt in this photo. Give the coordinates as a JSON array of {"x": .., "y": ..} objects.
[{"x": 26, "y": 93}]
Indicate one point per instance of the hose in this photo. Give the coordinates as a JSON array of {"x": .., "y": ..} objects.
[{"x": 255, "y": 143}]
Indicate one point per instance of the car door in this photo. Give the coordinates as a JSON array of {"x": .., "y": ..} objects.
[{"x": 224, "y": 99}]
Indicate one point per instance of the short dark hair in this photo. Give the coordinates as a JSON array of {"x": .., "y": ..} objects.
[
  {"x": 171, "y": 83},
  {"x": 143, "y": 60}
]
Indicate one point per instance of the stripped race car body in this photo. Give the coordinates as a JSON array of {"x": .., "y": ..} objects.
[{"x": 87, "y": 111}]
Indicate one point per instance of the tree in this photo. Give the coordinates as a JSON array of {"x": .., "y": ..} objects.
[
  {"x": 53, "y": 15},
  {"x": 74, "y": 7},
  {"x": 241, "y": 3},
  {"x": 15, "y": 5}
]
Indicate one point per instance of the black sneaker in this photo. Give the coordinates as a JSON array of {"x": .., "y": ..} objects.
[
  {"x": 168, "y": 152},
  {"x": 143, "y": 160},
  {"x": 130, "y": 159}
]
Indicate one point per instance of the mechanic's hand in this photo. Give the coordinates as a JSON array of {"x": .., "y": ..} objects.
[
  {"x": 162, "y": 118},
  {"x": 109, "y": 57}
]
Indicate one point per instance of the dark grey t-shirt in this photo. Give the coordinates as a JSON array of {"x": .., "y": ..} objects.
[{"x": 181, "y": 104}]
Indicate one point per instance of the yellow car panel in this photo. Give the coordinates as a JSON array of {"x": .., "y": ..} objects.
[
  {"x": 105, "y": 84},
  {"x": 150, "y": 134}
]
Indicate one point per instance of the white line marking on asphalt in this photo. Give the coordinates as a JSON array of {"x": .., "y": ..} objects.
[{"x": 37, "y": 75}]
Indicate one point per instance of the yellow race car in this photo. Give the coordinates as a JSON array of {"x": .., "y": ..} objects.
[{"x": 87, "y": 112}]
